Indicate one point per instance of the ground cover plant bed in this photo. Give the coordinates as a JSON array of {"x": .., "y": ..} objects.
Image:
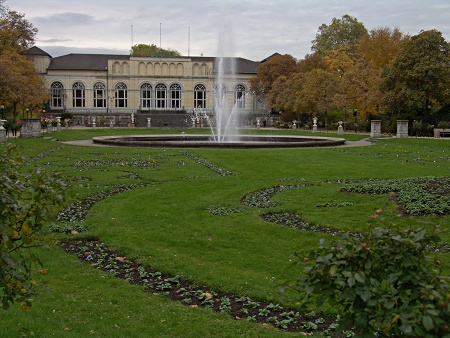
[
  {"x": 101, "y": 257},
  {"x": 416, "y": 196}
]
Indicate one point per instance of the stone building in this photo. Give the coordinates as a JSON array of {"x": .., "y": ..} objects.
[{"x": 166, "y": 89}]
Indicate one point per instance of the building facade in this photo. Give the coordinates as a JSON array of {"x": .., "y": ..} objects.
[{"x": 102, "y": 85}]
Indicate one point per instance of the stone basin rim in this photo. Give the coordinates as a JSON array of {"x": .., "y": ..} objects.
[{"x": 205, "y": 141}]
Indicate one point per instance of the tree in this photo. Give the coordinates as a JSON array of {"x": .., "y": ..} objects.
[
  {"x": 345, "y": 31},
  {"x": 152, "y": 50},
  {"x": 27, "y": 201},
  {"x": 381, "y": 46},
  {"x": 269, "y": 71},
  {"x": 16, "y": 33},
  {"x": 20, "y": 84},
  {"x": 317, "y": 91},
  {"x": 312, "y": 61},
  {"x": 419, "y": 77},
  {"x": 340, "y": 60},
  {"x": 359, "y": 89},
  {"x": 385, "y": 282}
]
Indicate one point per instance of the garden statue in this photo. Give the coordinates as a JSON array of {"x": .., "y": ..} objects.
[
  {"x": 58, "y": 123},
  {"x": 340, "y": 128},
  {"x": 2, "y": 131}
]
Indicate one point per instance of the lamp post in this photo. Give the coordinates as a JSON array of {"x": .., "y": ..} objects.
[
  {"x": 2, "y": 107},
  {"x": 355, "y": 115},
  {"x": 27, "y": 110}
]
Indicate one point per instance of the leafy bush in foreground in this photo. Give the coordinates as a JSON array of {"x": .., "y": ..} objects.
[
  {"x": 27, "y": 201},
  {"x": 385, "y": 282}
]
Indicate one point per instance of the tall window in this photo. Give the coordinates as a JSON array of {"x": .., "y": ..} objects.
[
  {"x": 57, "y": 95},
  {"x": 146, "y": 96},
  {"x": 175, "y": 96},
  {"x": 199, "y": 96},
  {"x": 239, "y": 96},
  {"x": 161, "y": 95},
  {"x": 121, "y": 95},
  {"x": 220, "y": 96},
  {"x": 99, "y": 95},
  {"x": 78, "y": 95}
]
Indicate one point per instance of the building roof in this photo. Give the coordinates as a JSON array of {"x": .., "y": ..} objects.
[
  {"x": 240, "y": 65},
  {"x": 100, "y": 62},
  {"x": 36, "y": 51},
  {"x": 84, "y": 61}
]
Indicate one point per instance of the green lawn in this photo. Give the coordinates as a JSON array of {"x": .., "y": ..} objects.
[{"x": 167, "y": 224}]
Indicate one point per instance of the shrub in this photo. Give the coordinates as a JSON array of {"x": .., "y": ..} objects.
[
  {"x": 384, "y": 282},
  {"x": 27, "y": 200}
]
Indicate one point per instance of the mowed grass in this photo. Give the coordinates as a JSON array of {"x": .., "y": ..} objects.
[{"x": 166, "y": 225}]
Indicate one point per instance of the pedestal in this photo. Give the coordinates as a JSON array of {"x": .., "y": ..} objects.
[
  {"x": 402, "y": 128},
  {"x": 30, "y": 128},
  {"x": 375, "y": 128}
]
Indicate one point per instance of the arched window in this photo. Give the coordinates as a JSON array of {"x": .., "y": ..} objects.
[
  {"x": 78, "y": 95},
  {"x": 121, "y": 96},
  {"x": 146, "y": 96},
  {"x": 199, "y": 96},
  {"x": 220, "y": 96},
  {"x": 99, "y": 95},
  {"x": 239, "y": 96},
  {"x": 161, "y": 95},
  {"x": 57, "y": 95},
  {"x": 175, "y": 96}
]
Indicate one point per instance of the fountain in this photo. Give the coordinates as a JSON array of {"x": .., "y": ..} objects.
[{"x": 222, "y": 124}]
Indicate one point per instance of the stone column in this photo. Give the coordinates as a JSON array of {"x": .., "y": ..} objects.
[
  {"x": 375, "y": 128},
  {"x": 402, "y": 128}
]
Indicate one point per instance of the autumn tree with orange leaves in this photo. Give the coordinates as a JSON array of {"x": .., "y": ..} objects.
[
  {"x": 355, "y": 72},
  {"x": 20, "y": 84}
]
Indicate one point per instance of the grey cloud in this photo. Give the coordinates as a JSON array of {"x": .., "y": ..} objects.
[{"x": 65, "y": 18}]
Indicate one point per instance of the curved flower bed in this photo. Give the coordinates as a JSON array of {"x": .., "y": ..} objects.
[{"x": 101, "y": 257}]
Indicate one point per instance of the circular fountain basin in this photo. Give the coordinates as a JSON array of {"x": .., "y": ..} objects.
[{"x": 207, "y": 141}]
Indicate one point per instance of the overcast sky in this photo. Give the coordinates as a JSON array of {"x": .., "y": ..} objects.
[{"x": 259, "y": 27}]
